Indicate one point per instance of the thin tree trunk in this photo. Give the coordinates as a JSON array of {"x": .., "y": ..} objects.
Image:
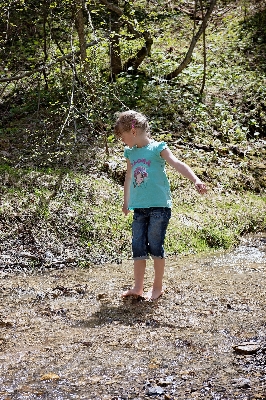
[
  {"x": 80, "y": 27},
  {"x": 45, "y": 15},
  {"x": 135, "y": 62},
  {"x": 193, "y": 43},
  {"x": 115, "y": 55},
  {"x": 204, "y": 53}
]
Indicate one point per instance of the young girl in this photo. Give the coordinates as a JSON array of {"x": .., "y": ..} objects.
[{"x": 147, "y": 192}]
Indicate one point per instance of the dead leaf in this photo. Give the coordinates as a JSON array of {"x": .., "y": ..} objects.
[
  {"x": 6, "y": 323},
  {"x": 50, "y": 376}
]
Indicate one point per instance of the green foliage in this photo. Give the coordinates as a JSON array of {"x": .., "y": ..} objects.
[
  {"x": 217, "y": 238},
  {"x": 231, "y": 111}
]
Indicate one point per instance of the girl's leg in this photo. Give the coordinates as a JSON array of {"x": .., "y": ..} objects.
[
  {"x": 159, "y": 219},
  {"x": 157, "y": 288},
  {"x": 139, "y": 272},
  {"x": 140, "y": 250}
]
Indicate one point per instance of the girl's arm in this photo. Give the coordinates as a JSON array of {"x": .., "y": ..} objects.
[
  {"x": 183, "y": 169},
  {"x": 127, "y": 188}
]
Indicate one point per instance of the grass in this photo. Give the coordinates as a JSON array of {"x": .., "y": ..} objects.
[{"x": 214, "y": 222}]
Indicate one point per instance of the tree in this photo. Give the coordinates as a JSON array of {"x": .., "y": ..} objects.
[
  {"x": 121, "y": 19},
  {"x": 193, "y": 43},
  {"x": 78, "y": 7}
]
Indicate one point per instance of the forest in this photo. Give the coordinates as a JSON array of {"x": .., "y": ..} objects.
[{"x": 196, "y": 69}]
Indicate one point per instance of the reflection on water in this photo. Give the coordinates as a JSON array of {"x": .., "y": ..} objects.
[{"x": 250, "y": 254}]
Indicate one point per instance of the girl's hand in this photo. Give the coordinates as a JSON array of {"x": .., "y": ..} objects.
[
  {"x": 201, "y": 187},
  {"x": 125, "y": 210}
]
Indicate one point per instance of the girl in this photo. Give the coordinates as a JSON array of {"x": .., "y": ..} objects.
[{"x": 147, "y": 192}]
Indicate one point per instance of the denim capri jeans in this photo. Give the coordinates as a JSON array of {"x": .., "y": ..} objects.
[{"x": 148, "y": 232}]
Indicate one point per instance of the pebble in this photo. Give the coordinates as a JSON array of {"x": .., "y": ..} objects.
[
  {"x": 247, "y": 348},
  {"x": 154, "y": 390}
]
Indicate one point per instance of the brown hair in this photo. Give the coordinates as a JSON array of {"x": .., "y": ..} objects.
[{"x": 131, "y": 119}]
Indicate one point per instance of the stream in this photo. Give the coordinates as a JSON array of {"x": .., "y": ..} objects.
[{"x": 65, "y": 333}]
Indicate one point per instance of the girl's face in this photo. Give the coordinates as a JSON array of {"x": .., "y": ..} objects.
[
  {"x": 139, "y": 179},
  {"x": 128, "y": 138}
]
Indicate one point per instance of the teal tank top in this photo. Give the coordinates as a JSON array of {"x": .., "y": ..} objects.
[{"x": 149, "y": 186}]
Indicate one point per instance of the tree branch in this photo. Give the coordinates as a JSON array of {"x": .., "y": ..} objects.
[{"x": 112, "y": 7}]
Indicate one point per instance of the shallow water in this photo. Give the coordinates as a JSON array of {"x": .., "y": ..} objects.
[{"x": 66, "y": 334}]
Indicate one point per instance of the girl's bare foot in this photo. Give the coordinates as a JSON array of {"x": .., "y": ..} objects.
[
  {"x": 154, "y": 294},
  {"x": 132, "y": 292}
]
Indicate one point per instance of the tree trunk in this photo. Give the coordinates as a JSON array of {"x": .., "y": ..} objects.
[
  {"x": 135, "y": 62},
  {"x": 193, "y": 43},
  {"x": 45, "y": 15},
  {"x": 204, "y": 53},
  {"x": 78, "y": 16},
  {"x": 115, "y": 55},
  {"x": 116, "y": 62}
]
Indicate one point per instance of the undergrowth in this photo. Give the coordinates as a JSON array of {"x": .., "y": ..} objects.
[{"x": 73, "y": 210}]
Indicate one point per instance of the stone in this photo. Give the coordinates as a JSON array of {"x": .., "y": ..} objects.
[
  {"x": 247, "y": 348},
  {"x": 154, "y": 391}
]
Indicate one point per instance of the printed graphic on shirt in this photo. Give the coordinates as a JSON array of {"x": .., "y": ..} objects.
[
  {"x": 140, "y": 176},
  {"x": 141, "y": 160}
]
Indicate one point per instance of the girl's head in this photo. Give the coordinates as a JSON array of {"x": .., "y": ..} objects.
[{"x": 129, "y": 120}]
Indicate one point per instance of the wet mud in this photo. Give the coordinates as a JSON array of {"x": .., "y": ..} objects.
[{"x": 67, "y": 334}]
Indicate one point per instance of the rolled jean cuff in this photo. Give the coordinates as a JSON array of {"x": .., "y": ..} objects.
[
  {"x": 141, "y": 258},
  {"x": 158, "y": 257}
]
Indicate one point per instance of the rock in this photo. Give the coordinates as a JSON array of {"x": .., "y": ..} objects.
[
  {"x": 165, "y": 382},
  {"x": 49, "y": 255},
  {"x": 95, "y": 379},
  {"x": 154, "y": 391},
  {"x": 5, "y": 153},
  {"x": 87, "y": 344},
  {"x": 27, "y": 254},
  {"x": 101, "y": 296},
  {"x": 247, "y": 348}
]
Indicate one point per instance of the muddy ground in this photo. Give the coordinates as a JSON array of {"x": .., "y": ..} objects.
[{"x": 67, "y": 334}]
